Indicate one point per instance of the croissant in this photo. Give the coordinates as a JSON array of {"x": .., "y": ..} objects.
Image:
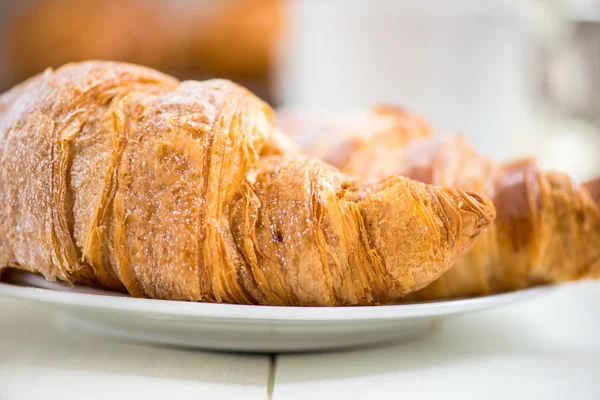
[
  {"x": 121, "y": 177},
  {"x": 547, "y": 228},
  {"x": 354, "y": 141}
]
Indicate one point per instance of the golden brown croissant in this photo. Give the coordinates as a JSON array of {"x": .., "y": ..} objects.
[
  {"x": 354, "y": 141},
  {"x": 119, "y": 176},
  {"x": 547, "y": 228}
]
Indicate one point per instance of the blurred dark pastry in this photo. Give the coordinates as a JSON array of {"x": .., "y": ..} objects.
[
  {"x": 231, "y": 39},
  {"x": 239, "y": 38},
  {"x": 52, "y": 33}
]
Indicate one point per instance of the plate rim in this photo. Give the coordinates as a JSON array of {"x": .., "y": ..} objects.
[{"x": 125, "y": 303}]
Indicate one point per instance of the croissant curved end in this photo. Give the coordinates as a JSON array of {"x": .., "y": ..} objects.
[{"x": 477, "y": 212}]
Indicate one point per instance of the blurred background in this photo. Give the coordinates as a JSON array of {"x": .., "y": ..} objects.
[{"x": 517, "y": 77}]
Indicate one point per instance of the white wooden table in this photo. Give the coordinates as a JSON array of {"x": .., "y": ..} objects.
[
  {"x": 546, "y": 348},
  {"x": 40, "y": 360}
]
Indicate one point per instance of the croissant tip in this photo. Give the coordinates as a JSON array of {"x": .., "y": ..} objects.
[
  {"x": 486, "y": 208},
  {"x": 477, "y": 213}
]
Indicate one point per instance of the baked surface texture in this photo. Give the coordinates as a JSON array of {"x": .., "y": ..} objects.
[
  {"x": 547, "y": 228},
  {"x": 121, "y": 177}
]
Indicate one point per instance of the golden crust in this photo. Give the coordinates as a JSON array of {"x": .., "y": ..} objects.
[
  {"x": 547, "y": 228},
  {"x": 122, "y": 177},
  {"x": 312, "y": 236}
]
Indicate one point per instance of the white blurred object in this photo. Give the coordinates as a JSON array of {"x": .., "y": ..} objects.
[
  {"x": 459, "y": 63},
  {"x": 566, "y": 72},
  {"x": 572, "y": 150}
]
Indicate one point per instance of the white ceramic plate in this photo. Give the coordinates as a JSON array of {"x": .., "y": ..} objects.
[{"x": 240, "y": 327}]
